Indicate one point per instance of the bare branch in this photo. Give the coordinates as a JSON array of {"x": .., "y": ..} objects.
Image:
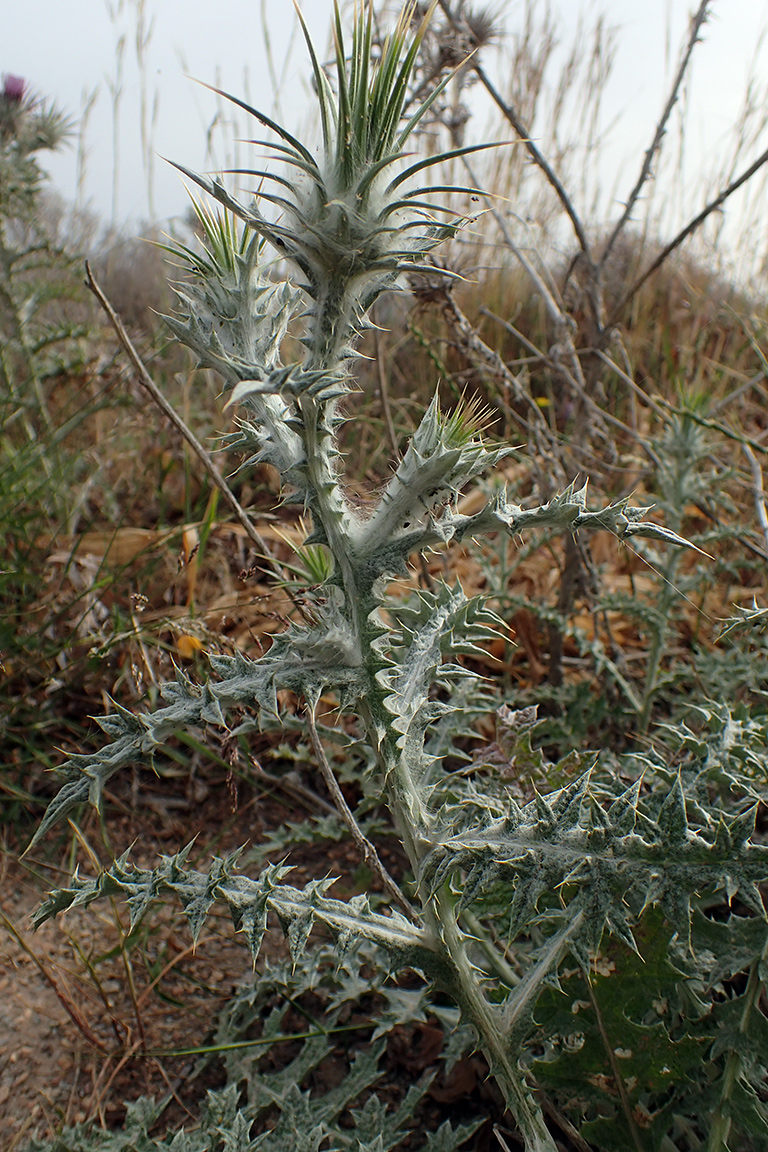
[
  {"x": 684, "y": 234},
  {"x": 571, "y": 366},
  {"x": 511, "y": 116},
  {"x": 715, "y": 425},
  {"x": 488, "y": 361},
  {"x": 696, "y": 24},
  {"x": 574, "y": 379},
  {"x": 638, "y": 391}
]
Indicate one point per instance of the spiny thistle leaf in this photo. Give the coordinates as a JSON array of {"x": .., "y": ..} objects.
[
  {"x": 565, "y": 512},
  {"x": 431, "y": 626},
  {"x": 444, "y": 454},
  {"x": 605, "y": 863},
  {"x": 248, "y": 901},
  {"x": 304, "y": 660}
]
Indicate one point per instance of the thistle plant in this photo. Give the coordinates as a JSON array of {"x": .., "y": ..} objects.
[
  {"x": 502, "y": 888},
  {"x": 27, "y": 255}
]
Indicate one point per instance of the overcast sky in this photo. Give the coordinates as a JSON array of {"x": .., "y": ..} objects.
[{"x": 69, "y": 50}]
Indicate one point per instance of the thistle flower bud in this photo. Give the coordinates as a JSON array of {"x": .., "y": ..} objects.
[{"x": 13, "y": 88}]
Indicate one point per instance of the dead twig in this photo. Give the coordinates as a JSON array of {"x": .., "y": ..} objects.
[
  {"x": 570, "y": 578},
  {"x": 759, "y": 490},
  {"x": 563, "y": 352},
  {"x": 66, "y": 1001},
  {"x": 548, "y": 359},
  {"x": 384, "y": 390},
  {"x": 367, "y": 850},
  {"x": 488, "y": 361},
  {"x": 621, "y": 1087},
  {"x": 635, "y": 388},
  {"x": 546, "y": 292},
  {"x": 715, "y": 425},
  {"x": 293, "y": 788}
]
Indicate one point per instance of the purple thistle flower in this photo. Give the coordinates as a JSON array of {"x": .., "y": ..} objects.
[{"x": 13, "y": 88}]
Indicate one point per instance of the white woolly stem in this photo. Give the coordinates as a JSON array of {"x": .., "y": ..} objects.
[{"x": 485, "y": 1020}]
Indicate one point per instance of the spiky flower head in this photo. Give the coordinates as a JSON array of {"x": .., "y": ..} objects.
[
  {"x": 345, "y": 220},
  {"x": 27, "y": 126}
]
